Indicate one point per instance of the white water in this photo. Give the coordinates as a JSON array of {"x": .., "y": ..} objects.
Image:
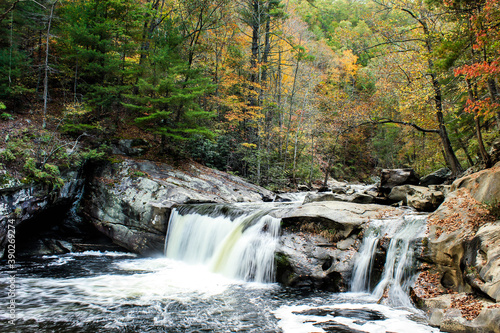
[
  {"x": 115, "y": 292},
  {"x": 240, "y": 247},
  {"x": 397, "y": 273}
]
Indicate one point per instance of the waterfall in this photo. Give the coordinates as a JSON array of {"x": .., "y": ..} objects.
[
  {"x": 238, "y": 243},
  {"x": 398, "y": 270}
]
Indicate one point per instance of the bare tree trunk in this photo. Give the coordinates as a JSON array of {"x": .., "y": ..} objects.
[
  {"x": 290, "y": 111},
  {"x": 46, "y": 79},
  {"x": 464, "y": 148},
  {"x": 485, "y": 157}
]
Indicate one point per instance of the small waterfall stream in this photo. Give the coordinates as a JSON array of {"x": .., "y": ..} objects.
[
  {"x": 238, "y": 243},
  {"x": 398, "y": 271}
]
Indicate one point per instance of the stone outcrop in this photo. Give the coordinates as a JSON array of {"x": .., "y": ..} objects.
[
  {"x": 354, "y": 197},
  {"x": 130, "y": 201},
  {"x": 450, "y": 319},
  {"x": 320, "y": 240},
  {"x": 462, "y": 255},
  {"x": 483, "y": 185},
  {"x": 25, "y": 203}
]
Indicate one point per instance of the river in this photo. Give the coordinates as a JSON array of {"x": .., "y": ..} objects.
[{"x": 185, "y": 292}]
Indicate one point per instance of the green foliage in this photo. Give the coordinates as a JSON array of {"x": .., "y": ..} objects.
[
  {"x": 93, "y": 155},
  {"x": 47, "y": 174},
  {"x": 387, "y": 146},
  {"x": 96, "y": 39},
  {"x": 213, "y": 153},
  {"x": 6, "y": 116},
  {"x": 169, "y": 104},
  {"x": 7, "y": 155},
  {"x": 494, "y": 208}
]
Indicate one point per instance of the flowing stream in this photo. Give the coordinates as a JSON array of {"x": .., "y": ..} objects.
[
  {"x": 398, "y": 270},
  {"x": 217, "y": 276}
]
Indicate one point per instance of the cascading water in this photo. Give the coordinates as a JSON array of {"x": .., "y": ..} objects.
[
  {"x": 397, "y": 273},
  {"x": 237, "y": 243},
  {"x": 118, "y": 292}
]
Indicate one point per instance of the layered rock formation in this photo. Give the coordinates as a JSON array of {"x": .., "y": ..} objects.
[
  {"x": 460, "y": 283},
  {"x": 37, "y": 204},
  {"x": 130, "y": 201}
]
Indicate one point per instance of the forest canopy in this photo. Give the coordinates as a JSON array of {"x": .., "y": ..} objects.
[{"x": 280, "y": 92}]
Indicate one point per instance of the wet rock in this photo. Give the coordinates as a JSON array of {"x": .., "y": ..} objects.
[
  {"x": 341, "y": 218},
  {"x": 354, "y": 197},
  {"x": 303, "y": 188},
  {"x": 320, "y": 240},
  {"x": 37, "y": 205}
]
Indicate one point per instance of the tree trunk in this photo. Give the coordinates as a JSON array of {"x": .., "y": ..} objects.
[
  {"x": 485, "y": 157},
  {"x": 290, "y": 111},
  {"x": 464, "y": 148},
  {"x": 492, "y": 87},
  {"x": 451, "y": 158},
  {"x": 46, "y": 79},
  {"x": 255, "y": 41}
]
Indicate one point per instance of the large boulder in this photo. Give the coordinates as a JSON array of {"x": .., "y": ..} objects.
[
  {"x": 462, "y": 255},
  {"x": 462, "y": 313},
  {"x": 437, "y": 177},
  {"x": 130, "y": 201},
  {"x": 390, "y": 178},
  {"x": 451, "y": 227},
  {"x": 482, "y": 260},
  {"x": 320, "y": 240},
  {"x": 354, "y": 197},
  {"x": 483, "y": 185},
  {"x": 421, "y": 198}
]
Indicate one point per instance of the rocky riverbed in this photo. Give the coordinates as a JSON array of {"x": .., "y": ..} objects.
[{"x": 129, "y": 202}]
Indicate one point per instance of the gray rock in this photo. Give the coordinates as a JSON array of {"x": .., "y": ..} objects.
[
  {"x": 320, "y": 240},
  {"x": 450, "y": 319},
  {"x": 483, "y": 185},
  {"x": 130, "y": 201},
  {"x": 28, "y": 203},
  {"x": 438, "y": 177},
  {"x": 395, "y": 177},
  {"x": 130, "y": 147},
  {"x": 482, "y": 257},
  {"x": 418, "y": 197},
  {"x": 354, "y": 197}
]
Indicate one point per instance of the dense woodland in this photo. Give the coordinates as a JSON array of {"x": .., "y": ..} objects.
[{"x": 280, "y": 92}]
